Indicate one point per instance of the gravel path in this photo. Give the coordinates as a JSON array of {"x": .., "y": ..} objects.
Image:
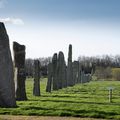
[{"x": 8, "y": 117}]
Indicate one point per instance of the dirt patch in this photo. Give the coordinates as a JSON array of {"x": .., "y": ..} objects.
[{"x": 8, "y": 117}]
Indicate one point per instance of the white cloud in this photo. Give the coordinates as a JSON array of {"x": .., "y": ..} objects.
[
  {"x": 2, "y": 3},
  {"x": 15, "y": 21}
]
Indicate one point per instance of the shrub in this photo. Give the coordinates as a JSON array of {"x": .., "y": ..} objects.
[
  {"x": 103, "y": 73},
  {"x": 116, "y": 73}
]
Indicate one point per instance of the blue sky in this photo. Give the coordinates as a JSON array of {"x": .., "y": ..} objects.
[{"x": 48, "y": 26}]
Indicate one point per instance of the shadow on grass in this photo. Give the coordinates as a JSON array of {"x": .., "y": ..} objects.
[
  {"x": 77, "y": 102},
  {"x": 91, "y": 95},
  {"x": 75, "y": 113},
  {"x": 64, "y": 96}
]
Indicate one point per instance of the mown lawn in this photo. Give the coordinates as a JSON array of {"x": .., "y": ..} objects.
[{"x": 82, "y": 100}]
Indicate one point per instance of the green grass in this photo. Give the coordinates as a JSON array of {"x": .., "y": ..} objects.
[{"x": 82, "y": 100}]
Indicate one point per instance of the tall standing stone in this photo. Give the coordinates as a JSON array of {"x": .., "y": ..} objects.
[
  {"x": 75, "y": 71},
  {"x": 88, "y": 77},
  {"x": 54, "y": 66},
  {"x": 85, "y": 78},
  {"x": 79, "y": 73},
  {"x": 7, "y": 88},
  {"x": 20, "y": 76},
  {"x": 49, "y": 82},
  {"x": 82, "y": 77},
  {"x": 61, "y": 71},
  {"x": 36, "y": 88},
  {"x": 70, "y": 81}
]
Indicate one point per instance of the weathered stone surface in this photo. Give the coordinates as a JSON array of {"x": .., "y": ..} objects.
[
  {"x": 88, "y": 76},
  {"x": 49, "y": 82},
  {"x": 79, "y": 73},
  {"x": 65, "y": 78},
  {"x": 36, "y": 88},
  {"x": 82, "y": 77},
  {"x": 69, "y": 68},
  {"x": 19, "y": 64},
  {"x": 61, "y": 71},
  {"x": 75, "y": 72},
  {"x": 85, "y": 78},
  {"x": 7, "y": 88},
  {"x": 54, "y": 66}
]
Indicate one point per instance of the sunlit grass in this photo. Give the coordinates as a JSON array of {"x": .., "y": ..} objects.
[{"x": 82, "y": 100}]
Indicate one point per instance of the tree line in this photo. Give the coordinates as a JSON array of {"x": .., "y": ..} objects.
[
  {"x": 29, "y": 66},
  {"x": 102, "y": 62},
  {"x": 104, "y": 67}
]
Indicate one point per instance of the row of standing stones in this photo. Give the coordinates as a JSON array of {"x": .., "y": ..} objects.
[
  {"x": 59, "y": 75},
  {"x": 9, "y": 71}
]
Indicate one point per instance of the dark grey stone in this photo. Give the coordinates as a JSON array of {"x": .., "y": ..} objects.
[
  {"x": 70, "y": 81},
  {"x": 88, "y": 77},
  {"x": 7, "y": 87},
  {"x": 82, "y": 77},
  {"x": 49, "y": 82},
  {"x": 20, "y": 76},
  {"x": 79, "y": 73},
  {"x": 75, "y": 72},
  {"x": 61, "y": 71},
  {"x": 54, "y": 67},
  {"x": 36, "y": 88},
  {"x": 85, "y": 78}
]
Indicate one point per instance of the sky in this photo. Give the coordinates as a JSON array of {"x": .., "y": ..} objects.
[{"x": 46, "y": 27}]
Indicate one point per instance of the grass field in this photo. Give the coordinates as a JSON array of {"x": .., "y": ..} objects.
[{"x": 82, "y": 100}]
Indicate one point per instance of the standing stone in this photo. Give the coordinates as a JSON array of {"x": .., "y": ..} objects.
[
  {"x": 64, "y": 83},
  {"x": 54, "y": 66},
  {"x": 85, "y": 78},
  {"x": 36, "y": 89},
  {"x": 69, "y": 68},
  {"x": 7, "y": 88},
  {"x": 65, "y": 78},
  {"x": 75, "y": 71},
  {"x": 88, "y": 77},
  {"x": 82, "y": 77},
  {"x": 79, "y": 73},
  {"x": 19, "y": 64},
  {"x": 61, "y": 71},
  {"x": 49, "y": 82}
]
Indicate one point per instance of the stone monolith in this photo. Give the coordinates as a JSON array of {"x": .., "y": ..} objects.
[
  {"x": 49, "y": 82},
  {"x": 69, "y": 68},
  {"x": 54, "y": 67},
  {"x": 79, "y": 73},
  {"x": 82, "y": 77},
  {"x": 7, "y": 87},
  {"x": 36, "y": 87},
  {"x": 61, "y": 71},
  {"x": 20, "y": 75},
  {"x": 75, "y": 71}
]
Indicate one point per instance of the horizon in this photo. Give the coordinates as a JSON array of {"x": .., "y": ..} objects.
[{"x": 47, "y": 27}]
